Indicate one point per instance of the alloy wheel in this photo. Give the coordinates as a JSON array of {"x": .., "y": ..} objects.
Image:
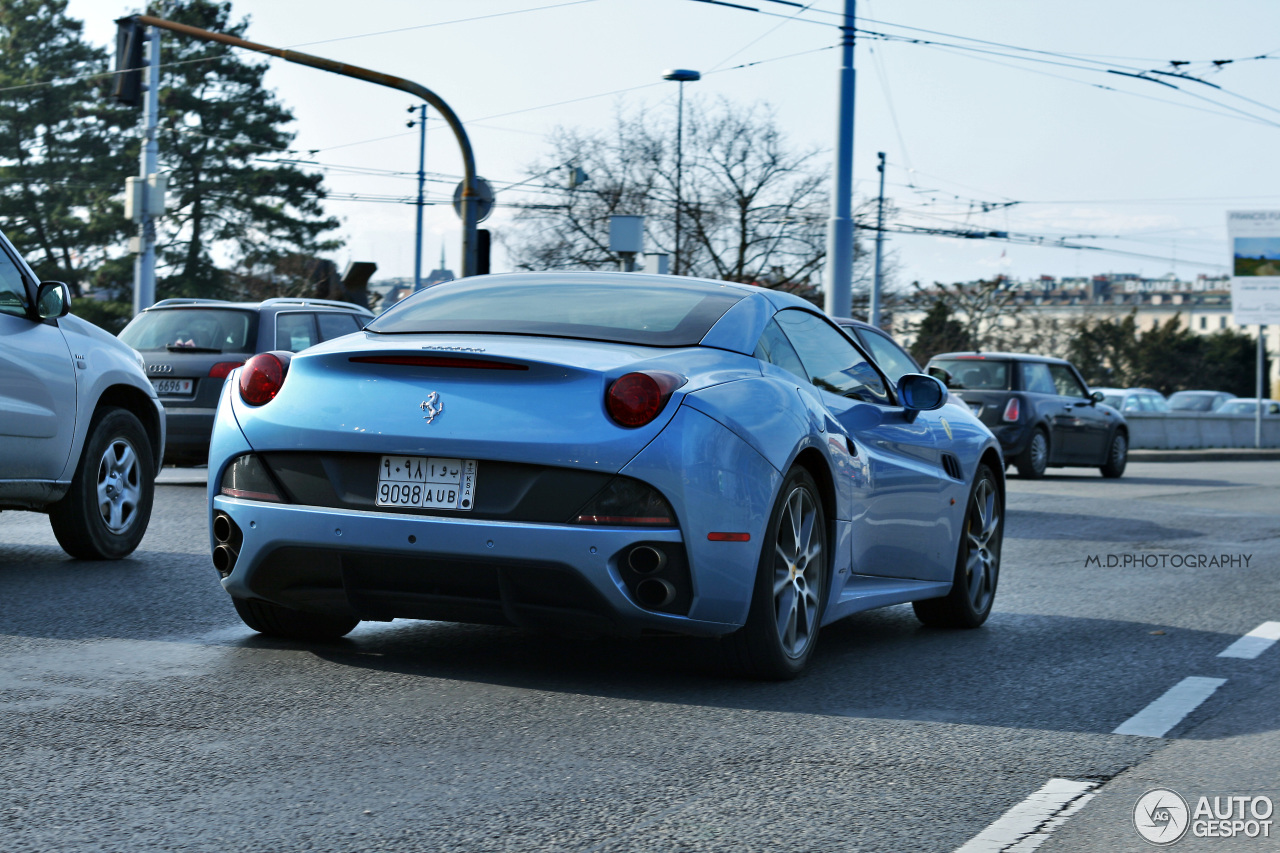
[
  {"x": 982, "y": 560},
  {"x": 119, "y": 485},
  {"x": 797, "y": 572}
]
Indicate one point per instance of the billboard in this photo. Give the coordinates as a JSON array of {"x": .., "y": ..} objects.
[{"x": 1255, "y": 266}]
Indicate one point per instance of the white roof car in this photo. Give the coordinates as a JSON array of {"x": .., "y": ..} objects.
[{"x": 81, "y": 429}]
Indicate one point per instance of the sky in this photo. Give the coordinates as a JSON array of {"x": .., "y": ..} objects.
[{"x": 1053, "y": 122}]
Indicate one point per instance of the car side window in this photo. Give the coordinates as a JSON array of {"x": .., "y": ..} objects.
[
  {"x": 774, "y": 348},
  {"x": 334, "y": 325},
  {"x": 1066, "y": 382},
  {"x": 13, "y": 291},
  {"x": 830, "y": 359},
  {"x": 296, "y": 330},
  {"x": 1132, "y": 404},
  {"x": 891, "y": 358},
  {"x": 1037, "y": 379}
]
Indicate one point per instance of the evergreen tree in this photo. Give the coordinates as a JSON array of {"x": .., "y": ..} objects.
[
  {"x": 1105, "y": 351},
  {"x": 939, "y": 332},
  {"x": 218, "y": 125},
  {"x": 1230, "y": 364},
  {"x": 64, "y": 149}
]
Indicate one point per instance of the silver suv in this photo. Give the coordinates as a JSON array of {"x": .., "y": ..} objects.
[{"x": 81, "y": 429}]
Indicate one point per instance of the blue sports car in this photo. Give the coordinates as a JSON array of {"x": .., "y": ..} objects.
[{"x": 601, "y": 452}]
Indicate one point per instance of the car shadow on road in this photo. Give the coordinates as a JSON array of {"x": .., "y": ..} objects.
[
  {"x": 1020, "y": 671},
  {"x": 1037, "y": 524}
]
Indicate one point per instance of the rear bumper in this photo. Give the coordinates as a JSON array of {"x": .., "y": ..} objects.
[
  {"x": 189, "y": 432},
  {"x": 380, "y": 566}
]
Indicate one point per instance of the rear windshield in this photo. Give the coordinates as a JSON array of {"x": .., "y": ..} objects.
[
  {"x": 666, "y": 315},
  {"x": 203, "y": 328},
  {"x": 975, "y": 374}
]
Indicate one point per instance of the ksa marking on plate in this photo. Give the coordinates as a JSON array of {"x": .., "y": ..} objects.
[{"x": 426, "y": 482}]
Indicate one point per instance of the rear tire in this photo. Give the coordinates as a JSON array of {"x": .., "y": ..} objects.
[
  {"x": 277, "y": 621},
  {"x": 973, "y": 588},
  {"x": 1117, "y": 456},
  {"x": 1035, "y": 459},
  {"x": 105, "y": 513},
  {"x": 790, "y": 588}
]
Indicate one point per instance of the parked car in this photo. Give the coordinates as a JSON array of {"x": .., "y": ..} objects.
[
  {"x": 895, "y": 361},
  {"x": 81, "y": 429},
  {"x": 191, "y": 345},
  {"x": 620, "y": 453},
  {"x": 1134, "y": 399},
  {"x": 1039, "y": 408},
  {"x": 1198, "y": 401},
  {"x": 1249, "y": 406}
]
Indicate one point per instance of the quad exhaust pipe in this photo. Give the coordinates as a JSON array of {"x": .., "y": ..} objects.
[
  {"x": 653, "y": 593},
  {"x": 229, "y": 538},
  {"x": 646, "y": 560}
]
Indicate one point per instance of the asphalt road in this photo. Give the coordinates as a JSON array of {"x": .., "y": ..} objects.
[{"x": 138, "y": 714}]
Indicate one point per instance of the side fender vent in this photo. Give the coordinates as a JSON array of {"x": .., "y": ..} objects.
[{"x": 951, "y": 465}]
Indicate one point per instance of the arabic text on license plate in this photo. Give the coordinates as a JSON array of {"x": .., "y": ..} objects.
[
  {"x": 172, "y": 386},
  {"x": 426, "y": 482}
]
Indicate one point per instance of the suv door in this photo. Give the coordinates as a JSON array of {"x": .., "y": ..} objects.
[{"x": 37, "y": 382}]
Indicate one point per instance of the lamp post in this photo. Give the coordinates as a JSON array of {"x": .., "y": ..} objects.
[{"x": 681, "y": 76}]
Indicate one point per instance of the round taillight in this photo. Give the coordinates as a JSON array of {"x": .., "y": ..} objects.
[
  {"x": 223, "y": 369},
  {"x": 636, "y": 399},
  {"x": 261, "y": 378}
]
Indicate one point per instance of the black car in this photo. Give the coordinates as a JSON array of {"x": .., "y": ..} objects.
[
  {"x": 892, "y": 358},
  {"x": 1039, "y": 408},
  {"x": 190, "y": 345}
]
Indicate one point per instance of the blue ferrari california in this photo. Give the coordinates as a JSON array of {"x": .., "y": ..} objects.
[{"x": 601, "y": 452}]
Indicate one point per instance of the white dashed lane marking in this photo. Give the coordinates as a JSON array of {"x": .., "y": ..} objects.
[
  {"x": 1028, "y": 824},
  {"x": 1171, "y": 708},
  {"x": 1253, "y": 643}
]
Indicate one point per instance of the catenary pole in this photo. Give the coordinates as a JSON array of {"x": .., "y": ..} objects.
[
  {"x": 839, "y": 269},
  {"x": 873, "y": 315},
  {"x": 422, "y": 180},
  {"x": 470, "y": 197}
]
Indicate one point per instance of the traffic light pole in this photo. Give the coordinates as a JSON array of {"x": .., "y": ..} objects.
[
  {"x": 469, "y": 203},
  {"x": 144, "y": 263}
]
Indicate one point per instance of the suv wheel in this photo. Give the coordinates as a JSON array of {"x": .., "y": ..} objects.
[{"x": 105, "y": 513}]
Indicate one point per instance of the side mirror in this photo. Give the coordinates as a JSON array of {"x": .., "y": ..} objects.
[
  {"x": 53, "y": 300},
  {"x": 1097, "y": 397},
  {"x": 941, "y": 375},
  {"x": 922, "y": 393}
]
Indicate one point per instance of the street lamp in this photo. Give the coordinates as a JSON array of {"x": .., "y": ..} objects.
[{"x": 681, "y": 76}]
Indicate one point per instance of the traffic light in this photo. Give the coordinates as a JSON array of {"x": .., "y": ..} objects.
[
  {"x": 482, "y": 251},
  {"x": 129, "y": 63}
]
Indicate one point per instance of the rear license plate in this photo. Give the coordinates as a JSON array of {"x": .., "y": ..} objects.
[
  {"x": 172, "y": 386},
  {"x": 426, "y": 482}
]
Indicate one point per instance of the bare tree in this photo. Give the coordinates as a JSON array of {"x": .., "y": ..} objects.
[{"x": 753, "y": 209}]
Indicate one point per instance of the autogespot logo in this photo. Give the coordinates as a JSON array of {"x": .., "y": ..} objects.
[{"x": 1160, "y": 816}]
